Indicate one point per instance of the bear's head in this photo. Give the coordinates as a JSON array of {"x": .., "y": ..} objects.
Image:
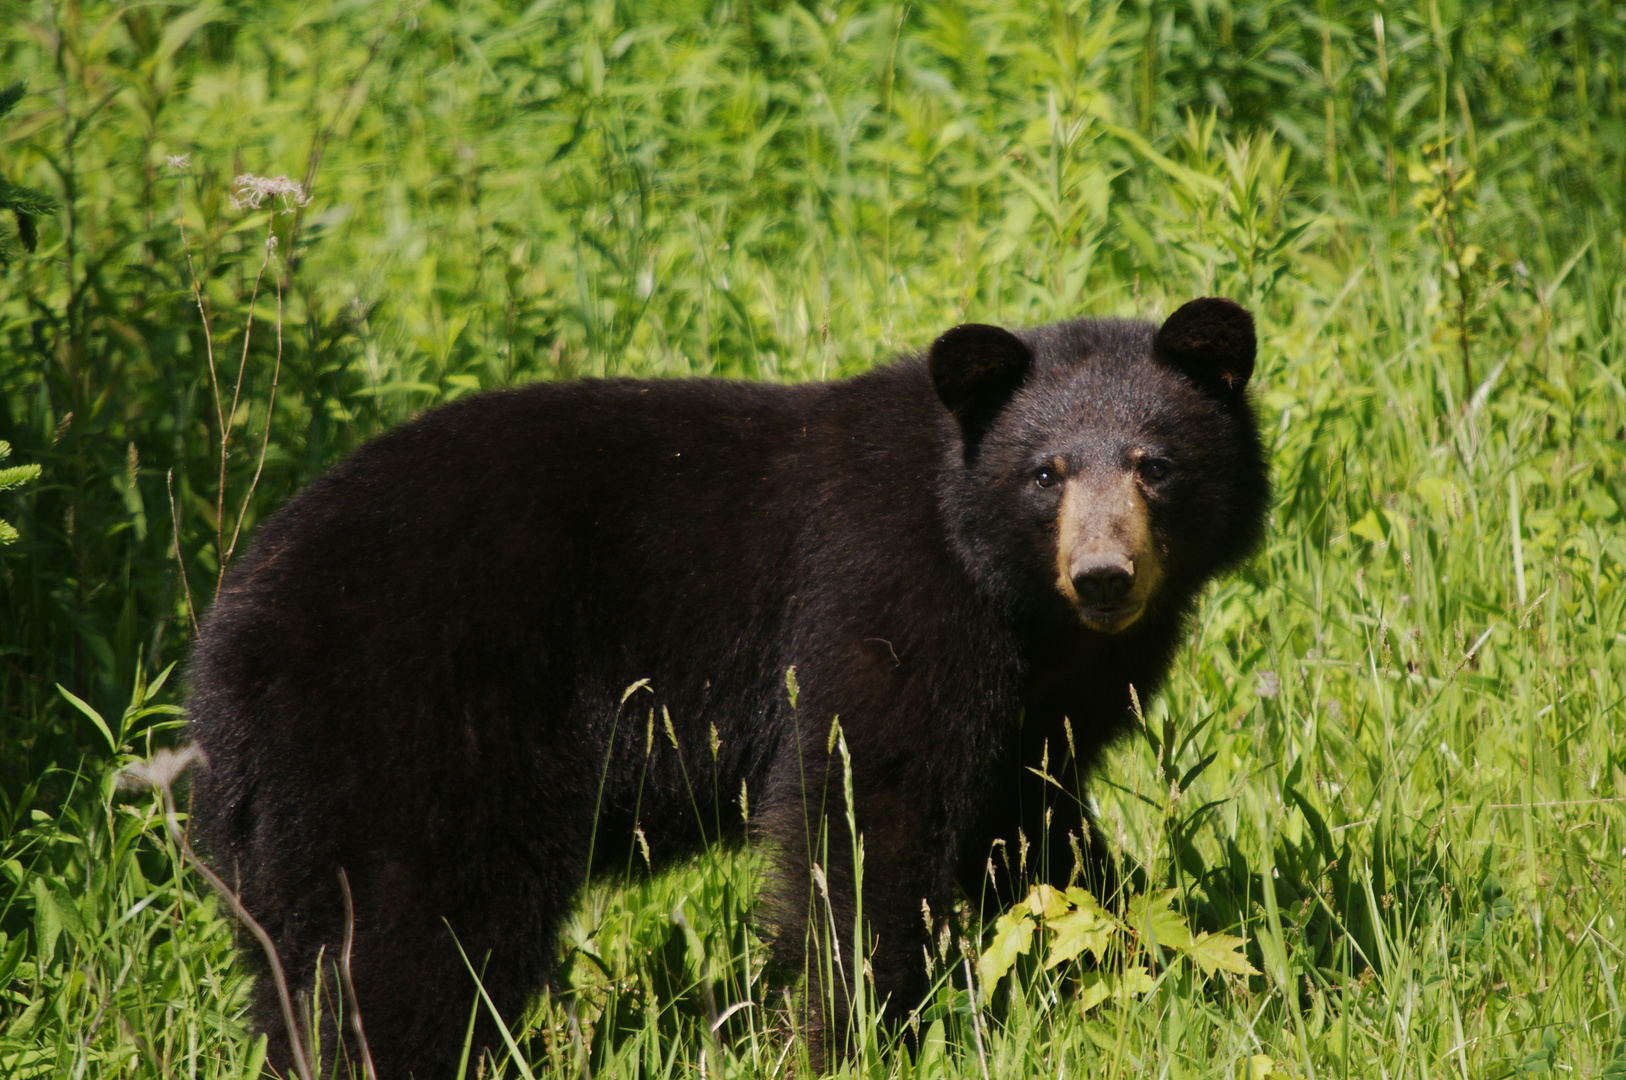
[{"x": 1103, "y": 467}]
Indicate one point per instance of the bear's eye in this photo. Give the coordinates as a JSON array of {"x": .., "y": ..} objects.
[
  {"x": 1155, "y": 468},
  {"x": 1045, "y": 478}
]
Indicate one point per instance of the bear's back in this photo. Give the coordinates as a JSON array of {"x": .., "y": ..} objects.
[{"x": 515, "y": 560}]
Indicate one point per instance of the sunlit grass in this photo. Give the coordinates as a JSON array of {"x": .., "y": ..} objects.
[{"x": 1410, "y": 704}]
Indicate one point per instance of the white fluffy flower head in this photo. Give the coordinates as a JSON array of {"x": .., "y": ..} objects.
[{"x": 250, "y": 191}]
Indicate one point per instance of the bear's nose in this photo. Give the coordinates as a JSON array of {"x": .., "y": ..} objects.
[{"x": 1103, "y": 582}]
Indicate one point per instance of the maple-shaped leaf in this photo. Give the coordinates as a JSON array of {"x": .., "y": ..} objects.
[
  {"x": 1077, "y": 931},
  {"x": 1086, "y": 901},
  {"x": 1047, "y": 903},
  {"x": 1013, "y": 933},
  {"x": 1098, "y": 986},
  {"x": 1153, "y": 919},
  {"x": 1261, "y": 1067},
  {"x": 1220, "y": 952}
]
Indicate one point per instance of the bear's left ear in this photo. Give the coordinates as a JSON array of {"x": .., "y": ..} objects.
[
  {"x": 1212, "y": 342},
  {"x": 976, "y": 370}
]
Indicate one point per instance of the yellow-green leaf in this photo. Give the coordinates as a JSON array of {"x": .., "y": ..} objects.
[
  {"x": 1013, "y": 934},
  {"x": 1093, "y": 993},
  {"x": 18, "y": 475},
  {"x": 1086, "y": 901},
  {"x": 1220, "y": 952},
  {"x": 1098, "y": 986},
  {"x": 1261, "y": 1067},
  {"x": 1153, "y": 920},
  {"x": 1075, "y": 932},
  {"x": 1047, "y": 903},
  {"x": 1370, "y": 528}
]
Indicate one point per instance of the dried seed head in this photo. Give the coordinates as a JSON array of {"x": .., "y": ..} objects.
[
  {"x": 253, "y": 190},
  {"x": 159, "y": 771}
]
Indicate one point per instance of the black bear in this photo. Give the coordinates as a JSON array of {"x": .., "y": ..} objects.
[{"x": 969, "y": 557}]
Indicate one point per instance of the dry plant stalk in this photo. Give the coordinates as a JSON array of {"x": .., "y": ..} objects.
[
  {"x": 160, "y": 772},
  {"x": 349, "y": 983},
  {"x": 180, "y": 563},
  {"x": 251, "y": 192}
]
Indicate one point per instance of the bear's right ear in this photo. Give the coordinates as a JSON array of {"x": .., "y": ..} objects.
[
  {"x": 1212, "y": 341},
  {"x": 976, "y": 370}
]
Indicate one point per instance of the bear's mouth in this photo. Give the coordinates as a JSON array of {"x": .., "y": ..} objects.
[{"x": 1110, "y": 619}]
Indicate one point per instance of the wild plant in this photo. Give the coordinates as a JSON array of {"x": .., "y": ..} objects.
[{"x": 1413, "y": 820}]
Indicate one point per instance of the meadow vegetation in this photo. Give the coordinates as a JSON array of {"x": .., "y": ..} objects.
[{"x": 1391, "y": 758}]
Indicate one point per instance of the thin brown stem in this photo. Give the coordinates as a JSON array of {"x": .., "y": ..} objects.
[
  {"x": 350, "y": 983},
  {"x": 270, "y": 411},
  {"x": 302, "y": 1065},
  {"x": 209, "y": 354},
  {"x": 197, "y": 298},
  {"x": 237, "y": 396},
  {"x": 180, "y": 563},
  {"x": 1453, "y": 243}
]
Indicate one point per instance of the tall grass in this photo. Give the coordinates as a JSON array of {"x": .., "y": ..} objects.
[{"x": 1410, "y": 706}]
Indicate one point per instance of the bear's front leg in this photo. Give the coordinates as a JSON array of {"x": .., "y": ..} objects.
[
  {"x": 1035, "y": 825},
  {"x": 850, "y": 917}
]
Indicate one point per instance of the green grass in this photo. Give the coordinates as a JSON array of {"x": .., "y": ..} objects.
[{"x": 1411, "y": 703}]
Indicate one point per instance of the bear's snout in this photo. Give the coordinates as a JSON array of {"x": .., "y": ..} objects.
[{"x": 1106, "y": 562}]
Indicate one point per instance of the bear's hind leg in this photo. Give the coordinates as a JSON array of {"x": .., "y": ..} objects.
[{"x": 414, "y": 990}]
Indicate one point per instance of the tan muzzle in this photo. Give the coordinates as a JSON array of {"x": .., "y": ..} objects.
[{"x": 1106, "y": 561}]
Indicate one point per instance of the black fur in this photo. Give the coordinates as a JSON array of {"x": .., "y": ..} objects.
[
  {"x": 415, "y": 673},
  {"x": 1212, "y": 341},
  {"x": 975, "y": 370}
]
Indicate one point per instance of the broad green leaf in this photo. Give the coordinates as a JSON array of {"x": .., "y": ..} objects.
[
  {"x": 1093, "y": 993},
  {"x": 1220, "y": 952},
  {"x": 1098, "y": 986},
  {"x": 67, "y": 911},
  {"x": 1369, "y": 528},
  {"x": 30, "y": 1016},
  {"x": 1153, "y": 919},
  {"x": 13, "y": 956},
  {"x": 1075, "y": 932},
  {"x": 1013, "y": 934},
  {"x": 1262, "y": 1067},
  {"x": 47, "y": 919},
  {"x": 933, "y": 1045},
  {"x": 1047, "y": 903},
  {"x": 1085, "y": 900}
]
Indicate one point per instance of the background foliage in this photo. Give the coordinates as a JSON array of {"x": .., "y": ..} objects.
[{"x": 1391, "y": 758}]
